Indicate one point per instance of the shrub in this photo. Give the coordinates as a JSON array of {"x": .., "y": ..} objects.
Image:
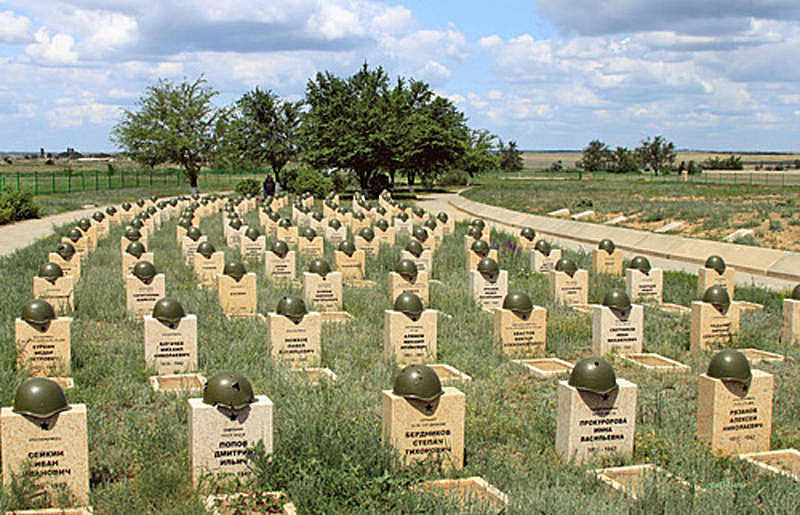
[
  {"x": 49, "y": 162},
  {"x": 453, "y": 178},
  {"x": 17, "y": 205},
  {"x": 342, "y": 181},
  {"x": 248, "y": 187},
  {"x": 308, "y": 180}
]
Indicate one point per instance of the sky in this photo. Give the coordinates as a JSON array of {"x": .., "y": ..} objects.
[{"x": 549, "y": 74}]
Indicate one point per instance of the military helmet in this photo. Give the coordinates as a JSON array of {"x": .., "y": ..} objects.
[
  {"x": 419, "y": 233},
  {"x": 343, "y": 210},
  {"x": 275, "y": 216},
  {"x": 518, "y": 302},
  {"x": 168, "y": 311},
  {"x": 419, "y": 212},
  {"x": 718, "y": 296},
  {"x": 380, "y": 210},
  {"x": 528, "y": 233},
  {"x": 442, "y": 217},
  {"x": 317, "y": 215},
  {"x": 140, "y": 202},
  {"x": 418, "y": 382},
  {"x": 74, "y": 234},
  {"x": 488, "y": 269},
  {"x": 430, "y": 223},
  {"x": 403, "y": 216},
  {"x": 730, "y": 365},
  {"x": 235, "y": 223},
  {"x": 358, "y": 215},
  {"x": 85, "y": 224},
  {"x": 292, "y": 307},
  {"x": 382, "y": 224},
  {"x": 145, "y": 271},
  {"x": 193, "y": 233},
  {"x": 567, "y": 266},
  {"x": 640, "y": 263},
  {"x": 593, "y": 374},
  {"x": 796, "y": 293},
  {"x": 235, "y": 269},
  {"x": 39, "y": 397},
  {"x": 98, "y": 216},
  {"x": 408, "y": 303},
  {"x": 135, "y": 249},
  {"x": 607, "y": 245},
  {"x": 126, "y": 206},
  {"x": 152, "y": 210},
  {"x": 185, "y": 222},
  {"x": 111, "y": 210},
  {"x": 252, "y": 233},
  {"x": 144, "y": 215},
  {"x": 132, "y": 233},
  {"x": 173, "y": 202},
  {"x": 319, "y": 266},
  {"x": 617, "y": 299},
  {"x": 479, "y": 223},
  {"x": 309, "y": 233},
  {"x": 480, "y": 247},
  {"x": 334, "y": 224},
  {"x": 347, "y": 247},
  {"x": 716, "y": 263},
  {"x": 66, "y": 250},
  {"x": 407, "y": 269},
  {"x": 228, "y": 390},
  {"x": 543, "y": 247},
  {"x": 38, "y": 312},
  {"x": 415, "y": 248},
  {"x": 206, "y": 249},
  {"x": 474, "y": 232},
  {"x": 367, "y": 233},
  {"x": 280, "y": 248}
]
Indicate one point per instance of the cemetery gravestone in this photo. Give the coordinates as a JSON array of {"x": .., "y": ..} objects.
[
  {"x": 791, "y": 317},
  {"x": 68, "y": 259},
  {"x": 295, "y": 334},
  {"x": 417, "y": 284},
  {"x": 645, "y": 287},
  {"x": 568, "y": 285},
  {"x": 143, "y": 289},
  {"x": 488, "y": 285},
  {"x": 170, "y": 338},
  {"x": 542, "y": 262},
  {"x": 280, "y": 266},
  {"x": 607, "y": 259},
  {"x": 410, "y": 333},
  {"x": 52, "y": 286},
  {"x": 42, "y": 340},
  {"x": 520, "y": 328},
  {"x": 714, "y": 320},
  {"x": 237, "y": 298},
  {"x": 716, "y": 273},
  {"x": 617, "y": 325},
  {"x": 207, "y": 268},
  {"x": 322, "y": 288}
]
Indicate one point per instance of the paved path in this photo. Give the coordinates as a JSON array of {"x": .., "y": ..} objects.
[{"x": 26, "y": 232}]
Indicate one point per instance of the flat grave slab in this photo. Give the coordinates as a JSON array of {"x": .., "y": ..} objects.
[
  {"x": 474, "y": 494},
  {"x": 756, "y": 356},
  {"x": 449, "y": 374},
  {"x": 785, "y": 462},
  {"x": 653, "y": 361},
  {"x": 176, "y": 383},
  {"x": 545, "y": 368}
]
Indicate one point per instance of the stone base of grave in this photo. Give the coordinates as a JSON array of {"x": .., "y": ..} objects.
[
  {"x": 756, "y": 356},
  {"x": 268, "y": 502},
  {"x": 85, "y": 510},
  {"x": 545, "y": 368},
  {"x": 652, "y": 361},
  {"x": 317, "y": 375},
  {"x": 66, "y": 383},
  {"x": 785, "y": 462},
  {"x": 473, "y": 493},
  {"x": 674, "y": 308},
  {"x": 435, "y": 281},
  {"x": 178, "y": 383},
  {"x": 631, "y": 481},
  {"x": 449, "y": 375},
  {"x": 747, "y": 306},
  {"x": 336, "y": 317},
  {"x": 585, "y": 309},
  {"x": 362, "y": 283}
]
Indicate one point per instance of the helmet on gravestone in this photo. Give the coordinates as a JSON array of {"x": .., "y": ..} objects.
[
  {"x": 716, "y": 263},
  {"x": 66, "y": 250},
  {"x": 152, "y": 210},
  {"x": 319, "y": 266},
  {"x": 796, "y": 293},
  {"x": 567, "y": 266},
  {"x": 418, "y": 382},
  {"x": 38, "y": 312},
  {"x": 162, "y": 204},
  {"x": 292, "y": 307},
  {"x": 419, "y": 233},
  {"x": 415, "y": 248},
  {"x": 409, "y": 304},
  {"x": 145, "y": 271},
  {"x": 252, "y": 233},
  {"x": 135, "y": 249},
  {"x": 488, "y": 269},
  {"x": 126, "y": 206},
  {"x": 136, "y": 223},
  {"x": 309, "y": 233},
  {"x": 140, "y": 202},
  {"x": 185, "y": 222},
  {"x": 430, "y": 223},
  {"x": 607, "y": 245},
  {"x": 111, "y": 210},
  {"x": 284, "y": 222},
  {"x": 144, "y": 215},
  {"x": 718, "y": 296},
  {"x": 617, "y": 299},
  {"x": 382, "y": 224},
  {"x": 317, "y": 215},
  {"x": 206, "y": 249},
  {"x": 228, "y": 390},
  {"x": 274, "y": 216},
  {"x": 168, "y": 311},
  {"x": 380, "y": 210},
  {"x": 640, "y": 263},
  {"x": 98, "y": 216},
  {"x": 474, "y": 232},
  {"x": 407, "y": 269},
  {"x": 528, "y": 233},
  {"x": 280, "y": 248},
  {"x": 343, "y": 210},
  {"x": 154, "y": 198},
  {"x": 235, "y": 269},
  {"x": 359, "y": 215},
  {"x": 403, "y": 216},
  {"x": 543, "y": 247},
  {"x": 593, "y": 374},
  {"x": 347, "y": 247},
  {"x": 193, "y": 233},
  {"x": 479, "y": 223},
  {"x": 480, "y": 247},
  {"x": 84, "y": 224},
  {"x": 235, "y": 223},
  {"x": 50, "y": 271},
  {"x": 39, "y": 397},
  {"x": 367, "y": 233},
  {"x": 518, "y": 302},
  {"x": 173, "y": 202},
  {"x": 442, "y": 217},
  {"x": 132, "y": 233},
  {"x": 74, "y": 234},
  {"x": 419, "y": 212},
  {"x": 730, "y": 365},
  {"x": 334, "y": 224}
]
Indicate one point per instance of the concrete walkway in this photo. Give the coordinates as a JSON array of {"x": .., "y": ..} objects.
[
  {"x": 771, "y": 268},
  {"x": 26, "y": 232}
]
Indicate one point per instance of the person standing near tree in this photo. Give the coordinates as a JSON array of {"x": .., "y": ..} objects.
[{"x": 269, "y": 186}]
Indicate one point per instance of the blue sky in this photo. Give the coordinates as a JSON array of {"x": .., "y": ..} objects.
[{"x": 550, "y": 74}]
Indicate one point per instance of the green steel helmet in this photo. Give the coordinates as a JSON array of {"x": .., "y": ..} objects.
[
  {"x": 319, "y": 266},
  {"x": 193, "y": 233},
  {"x": 111, "y": 210},
  {"x": 173, "y": 202},
  {"x": 407, "y": 269},
  {"x": 593, "y": 374},
  {"x": 126, "y": 206},
  {"x": 280, "y": 248},
  {"x": 228, "y": 390},
  {"x": 716, "y": 263},
  {"x": 347, "y": 247},
  {"x": 718, "y": 296},
  {"x": 409, "y": 304},
  {"x": 154, "y": 198},
  {"x": 419, "y": 233},
  {"x": 274, "y": 216},
  {"x": 617, "y": 299},
  {"x": 474, "y": 232},
  {"x": 185, "y": 222},
  {"x": 518, "y": 302},
  {"x": 39, "y": 397},
  {"x": 367, "y": 233},
  {"x": 136, "y": 223},
  {"x": 382, "y": 224},
  {"x": 135, "y": 249},
  {"x": 607, "y": 245},
  {"x": 66, "y": 250},
  {"x": 430, "y": 223},
  {"x": 38, "y": 312},
  {"x": 419, "y": 212},
  {"x": 335, "y": 224},
  {"x": 730, "y": 365},
  {"x": 317, "y": 215},
  {"x": 479, "y": 223},
  {"x": 331, "y": 204},
  {"x": 235, "y": 269},
  {"x": 796, "y": 293},
  {"x": 418, "y": 382},
  {"x": 309, "y": 233},
  {"x": 442, "y": 217},
  {"x": 343, "y": 210},
  {"x": 284, "y": 222},
  {"x": 480, "y": 247},
  {"x": 380, "y": 210},
  {"x": 640, "y": 263},
  {"x": 74, "y": 234},
  {"x": 144, "y": 215},
  {"x": 162, "y": 204},
  {"x": 235, "y": 223},
  {"x": 140, "y": 202},
  {"x": 359, "y": 215},
  {"x": 488, "y": 269},
  {"x": 292, "y": 307},
  {"x": 132, "y": 233},
  {"x": 528, "y": 233},
  {"x": 145, "y": 271},
  {"x": 84, "y": 224},
  {"x": 252, "y": 233},
  {"x": 98, "y": 216},
  {"x": 168, "y": 311},
  {"x": 415, "y": 248},
  {"x": 403, "y": 216},
  {"x": 206, "y": 249},
  {"x": 152, "y": 210},
  {"x": 567, "y": 266},
  {"x": 543, "y": 247}
]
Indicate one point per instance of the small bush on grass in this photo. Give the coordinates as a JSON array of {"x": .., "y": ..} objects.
[
  {"x": 248, "y": 187},
  {"x": 17, "y": 205},
  {"x": 308, "y": 180}
]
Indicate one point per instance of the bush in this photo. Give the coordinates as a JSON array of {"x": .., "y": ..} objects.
[
  {"x": 17, "y": 205},
  {"x": 308, "y": 180},
  {"x": 453, "y": 178},
  {"x": 249, "y": 187},
  {"x": 342, "y": 181}
]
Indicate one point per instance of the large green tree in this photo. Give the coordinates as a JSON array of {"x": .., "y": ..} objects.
[
  {"x": 479, "y": 156},
  {"x": 657, "y": 153},
  {"x": 595, "y": 156},
  {"x": 172, "y": 123},
  {"x": 510, "y": 157}
]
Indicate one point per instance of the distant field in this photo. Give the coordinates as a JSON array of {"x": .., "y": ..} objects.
[{"x": 541, "y": 160}]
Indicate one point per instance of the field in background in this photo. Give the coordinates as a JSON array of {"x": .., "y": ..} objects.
[{"x": 543, "y": 160}]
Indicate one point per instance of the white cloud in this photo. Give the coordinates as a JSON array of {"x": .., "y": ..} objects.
[
  {"x": 106, "y": 31},
  {"x": 15, "y": 29},
  {"x": 76, "y": 115},
  {"x": 55, "y": 50}
]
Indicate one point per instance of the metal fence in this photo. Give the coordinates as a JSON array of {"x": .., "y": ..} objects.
[
  {"x": 778, "y": 179},
  {"x": 67, "y": 181}
]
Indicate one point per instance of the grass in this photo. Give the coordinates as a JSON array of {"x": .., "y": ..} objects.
[{"x": 328, "y": 457}]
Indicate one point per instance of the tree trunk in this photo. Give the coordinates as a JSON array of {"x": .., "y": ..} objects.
[
  {"x": 412, "y": 177},
  {"x": 192, "y": 173}
]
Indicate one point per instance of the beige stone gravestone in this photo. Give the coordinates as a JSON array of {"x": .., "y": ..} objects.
[
  {"x": 68, "y": 267},
  {"x": 488, "y": 295},
  {"x": 473, "y": 258},
  {"x": 612, "y": 333},
  {"x": 279, "y": 269},
  {"x": 189, "y": 248},
  {"x": 253, "y": 249},
  {"x": 370, "y": 248},
  {"x": 644, "y": 287},
  {"x": 124, "y": 242},
  {"x": 424, "y": 262},
  {"x": 129, "y": 261},
  {"x": 710, "y": 327},
  {"x": 233, "y": 237},
  {"x": 402, "y": 228},
  {"x": 386, "y": 237},
  {"x": 44, "y": 352},
  {"x": 541, "y": 263},
  {"x": 420, "y": 287},
  {"x": 518, "y": 335},
  {"x": 336, "y": 236},
  {"x": 567, "y": 290},
  {"x": 142, "y": 297},
  {"x": 59, "y": 293},
  {"x": 90, "y": 235},
  {"x": 81, "y": 250},
  {"x": 323, "y": 293},
  {"x": 791, "y": 321},
  {"x": 207, "y": 269},
  {"x": 351, "y": 267},
  {"x": 410, "y": 341},
  {"x": 171, "y": 350},
  {"x": 287, "y": 234},
  {"x": 314, "y": 247},
  {"x": 296, "y": 345},
  {"x": 237, "y": 299},
  {"x": 605, "y": 263},
  {"x": 708, "y": 277}
]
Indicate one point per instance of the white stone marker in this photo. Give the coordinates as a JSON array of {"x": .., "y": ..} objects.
[
  {"x": 296, "y": 345},
  {"x": 488, "y": 294},
  {"x": 643, "y": 287},
  {"x": 615, "y": 331},
  {"x": 410, "y": 341},
  {"x": 171, "y": 350}
]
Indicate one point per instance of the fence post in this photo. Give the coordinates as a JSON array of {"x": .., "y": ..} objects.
[
  {"x": 35, "y": 183},
  {"x": 53, "y": 181},
  {"x": 97, "y": 180},
  {"x": 18, "y": 185},
  {"x": 109, "y": 179},
  {"x": 69, "y": 181},
  {"x": 151, "y": 177}
]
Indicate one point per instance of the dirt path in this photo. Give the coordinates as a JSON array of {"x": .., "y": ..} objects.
[{"x": 21, "y": 234}]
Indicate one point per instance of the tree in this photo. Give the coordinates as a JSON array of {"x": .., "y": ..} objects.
[
  {"x": 595, "y": 156},
  {"x": 478, "y": 156},
  {"x": 657, "y": 154},
  {"x": 510, "y": 157},
  {"x": 171, "y": 124},
  {"x": 624, "y": 161}
]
